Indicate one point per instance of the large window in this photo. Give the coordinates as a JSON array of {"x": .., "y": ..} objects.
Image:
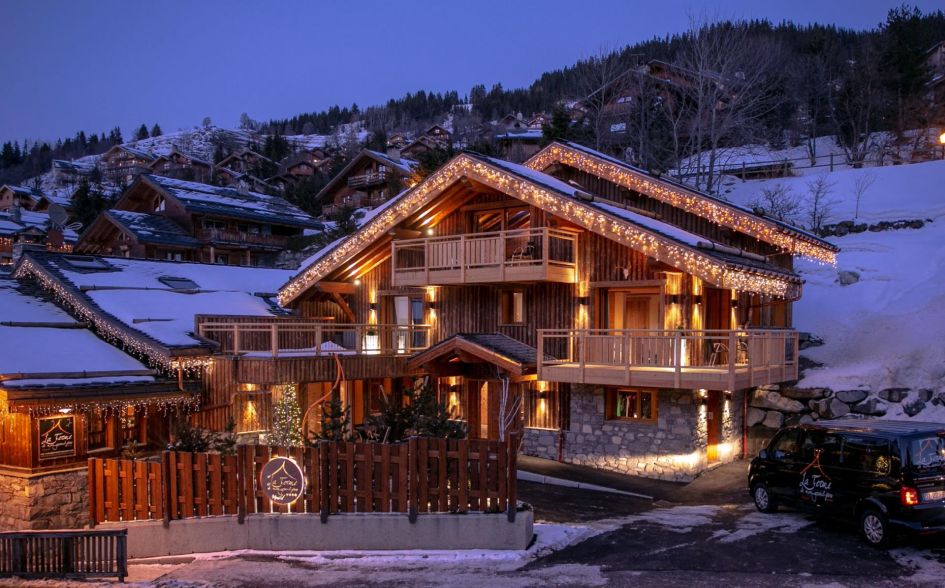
[
  {"x": 632, "y": 405},
  {"x": 252, "y": 411},
  {"x": 541, "y": 406},
  {"x": 129, "y": 426},
  {"x": 97, "y": 429}
]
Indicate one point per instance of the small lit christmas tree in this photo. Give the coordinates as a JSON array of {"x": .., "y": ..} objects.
[
  {"x": 287, "y": 419},
  {"x": 335, "y": 420}
]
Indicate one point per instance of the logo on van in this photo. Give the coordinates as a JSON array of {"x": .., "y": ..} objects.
[{"x": 816, "y": 486}]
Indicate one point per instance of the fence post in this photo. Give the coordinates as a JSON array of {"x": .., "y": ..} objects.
[
  {"x": 323, "y": 475},
  {"x": 165, "y": 489},
  {"x": 93, "y": 493},
  {"x": 121, "y": 554},
  {"x": 512, "y": 502},
  {"x": 241, "y": 484},
  {"x": 412, "y": 489}
]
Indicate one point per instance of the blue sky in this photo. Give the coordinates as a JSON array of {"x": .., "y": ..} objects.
[{"x": 92, "y": 65}]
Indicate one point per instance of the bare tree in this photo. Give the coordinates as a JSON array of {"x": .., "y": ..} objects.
[
  {"x": 602, "y": 79},
  {"x": 861, "y": 184},
  {"x": 510, "y": 406},
  {"x": 726, "y": 77},
  {"x": 856, "y": 100},
  {"x": 819, "y": 204},
  {"x": 778, "y": 202}
]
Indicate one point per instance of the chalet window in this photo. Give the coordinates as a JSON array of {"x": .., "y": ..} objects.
[
  {"x": 222, "y": 258},
  {"x": 179, "y": 283},
  {"x": 252, "y": 411},
  {"x": 173, "y": 256},
  {"x": 213, "y": 224},
  {"x": 541, "y": 406},
  {"x": 512, "y": 307},
  {"x": 632, "y": 405},
  {"x": 97, "y": 429},
  {"x": 129, "y": 426}
]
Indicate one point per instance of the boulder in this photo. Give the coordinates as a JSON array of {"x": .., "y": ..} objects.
[
  {"x": 841, "y": 230},
  {"x": 806, "y": 340},
  {"x": 804, "y": 393},
  {"x": 755, "y": 416},
  {"x": 859, "y": 228},
  {"x": 913, "y": 407},
  {"x": 848, "y": 277},
  {"x": 773, "y": 419},
  {"x": 829, "y": 408},
  {"x": 807, "y": 419},
  {"x": 771, "y": 400},
  {"x": 871, "y": 407},
  {"x": 894, "y": 394},
  {"x": 925, "y": 394},
  {"x": 851, "y": 396},
  {"x": 915, "y": 224},
  {"x": 938, "y": 399}
]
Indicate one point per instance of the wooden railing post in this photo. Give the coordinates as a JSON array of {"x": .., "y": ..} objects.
[
  {"x": 627, "y": 355},
  {"x": 165, "y": 488},
  {"x": 501, "y": 256},
  {"x": 412, "y": 480},
  {"x": 274, "y": 338},
  {"x": 236, "y": 339},
  {"x": 545, "y": 251},
  {"x": 677, "y": 359},
  {"x": 732, "y": 358},
  {"x": 581, "y": 338},
  {"x": 462, "y": 259}
]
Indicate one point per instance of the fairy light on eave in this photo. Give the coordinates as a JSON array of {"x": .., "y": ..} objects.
[
  {"x": 712, "y": 211},
  {"x": 648, "y": 243},
  {"x": 152, "y": 354}
]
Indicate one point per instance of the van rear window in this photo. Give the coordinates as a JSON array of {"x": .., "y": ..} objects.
[{"x": 927, "y": 453}]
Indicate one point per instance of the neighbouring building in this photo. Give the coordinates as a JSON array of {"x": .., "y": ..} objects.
[
  {"x": 122, "y": 164},
  {"x": 369, "y": 180},
  {"x": 182, "y": 167},
  {"x": 165, "y": 218},
  {"x": 25, "y": 229},
  {"x": 68, "y": 173},
  {"x": 19, "y": 197},
  {"x": 66, "y": 395},
  {"x": 247, "y": 161},
  {"x": 617, "y": 317}
]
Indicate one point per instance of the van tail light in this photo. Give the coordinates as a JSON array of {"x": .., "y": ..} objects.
[{"x": 908, "y": 496}]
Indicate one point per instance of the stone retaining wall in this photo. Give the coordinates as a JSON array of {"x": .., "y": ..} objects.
[{"x": 50, "y": 501}]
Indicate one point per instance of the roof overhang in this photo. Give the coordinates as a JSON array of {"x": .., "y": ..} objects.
[
  {"x": 458, "y": 346},
  {"x": 780, "y": 235},
  {"x": 695, "y": 261}
]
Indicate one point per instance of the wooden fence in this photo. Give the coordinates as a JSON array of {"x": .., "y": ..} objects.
[
  {"x": 64, "y": 554},
  {"x": 421, "y": 475}
]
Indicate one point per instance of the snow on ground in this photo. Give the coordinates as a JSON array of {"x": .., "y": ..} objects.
[{"x": 888, "y": 328}]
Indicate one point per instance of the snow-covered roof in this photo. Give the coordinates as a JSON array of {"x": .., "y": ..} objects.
[
  {"x": 38, "y": 338},
  {"x": 403, "y": 164},
  {"x": 152, "y": 228},
  {"x": 130, "y": 291},
  {"x": 23, "y": 190},
  {"x": 204, "y": 198},
  {"x": 527, "y": 135},
  {"x": 30, "y": 219}
]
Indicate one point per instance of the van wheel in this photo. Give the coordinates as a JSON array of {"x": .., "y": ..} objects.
[
  {"x": 875, "y": 528},
  {"x": 763, "y": 499}
]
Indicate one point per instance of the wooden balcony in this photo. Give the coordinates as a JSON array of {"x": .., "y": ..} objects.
[
  {"x": 525, "y": 255},
  {"x": 294, "y": 337},
  {"x": 242, "y": 238},
  {"x": 713, "y": 360},
  {"x": 368, "y": 179}
]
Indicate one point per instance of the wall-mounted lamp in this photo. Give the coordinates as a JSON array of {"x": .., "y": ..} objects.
[
  {"x": 674, "y": 298},
  {"x": 702, "y": 400},
  {"x": 697, "y": 299},
  {"x": 734, "y": 303},
  {"x": 584, "y": 300},
  {"x": 728, "y": 394},
  {"x": 372, "y": 306},
  {"x": 433, "y": 305}
]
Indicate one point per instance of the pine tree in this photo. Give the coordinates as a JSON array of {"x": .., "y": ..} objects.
[
  {"x": 335, "y": 420},
  {"x": 142, "y": 133},
  {"x": 287, "y": 419},
  {"x": 156, "y": 130},
  {"x": 87, "y": 204}
]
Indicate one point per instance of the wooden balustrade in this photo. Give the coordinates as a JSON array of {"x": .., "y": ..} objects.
[
  {"x": 540, "y": 254},
  {"x": 420, "y": 475},
  {"x": 277, "y": 337},
  {"x": 242, "y": 237},
  {"x": 64, "y": 554},
  {"x": 367, "y": 179},
  {"x": 710, "y": 359}
]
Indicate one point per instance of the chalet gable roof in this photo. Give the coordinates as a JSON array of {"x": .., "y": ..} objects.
[
  {"x": 139, "y": 153},
  {"x": 404, "y": 166},
  {"x": 498, "y": 349},
  {"x": 782, "y": 235},
  {"x": 151, "y": 228},
  {"x": 653, "y": 238},
  {"x": 241, "y": 155}
]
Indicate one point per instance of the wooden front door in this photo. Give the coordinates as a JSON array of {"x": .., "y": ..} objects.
[
  {"x": 482, "y": 408},
  {"x": 713, "y": 420}
]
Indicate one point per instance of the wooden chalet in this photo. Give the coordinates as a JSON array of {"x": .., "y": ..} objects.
[
  {"x": 618, "y": 317},
  {"x": 246, "y": 161},
  {"x": 19, "y": 197},
  {"x": 237, "y": 180},
  {"x": 369, "y": 180},
  {"x": 164, "y": 218},
  {"x": 65, "y": 394},
  {"x": 182, "y": 167},
  {"x": 25, "y": 229},
  {"x": 122, "y": 164},
  {"x": 68, "y": 173}
]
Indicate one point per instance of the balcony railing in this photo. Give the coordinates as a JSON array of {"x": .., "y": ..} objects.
[
  {"x": 310, "y": 338},
  {"x": 524, "y": 255},
  {"x": 712, "y": 359},
  {"x": 367, "y": 179},
  {"x": 242, "y": 238}
]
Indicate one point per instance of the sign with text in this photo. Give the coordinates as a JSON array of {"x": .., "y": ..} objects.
[
  {"x": 56, "y": 436},
  {"x": 282, "y": 480}
]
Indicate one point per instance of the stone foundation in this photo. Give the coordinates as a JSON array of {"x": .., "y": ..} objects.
[
  {"x": 49, "y": 501},
  {"x": 673, "y": 448}
]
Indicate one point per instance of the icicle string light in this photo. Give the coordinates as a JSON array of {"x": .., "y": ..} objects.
[
  {"x": 139, "y": 346},
  {"x": 716, "y": 212},
  {"x": 186, "y": 403},
  {"x": 648, "y": 242}
]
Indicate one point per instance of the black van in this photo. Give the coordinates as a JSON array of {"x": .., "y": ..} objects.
[{"x": 885, "y": 475}]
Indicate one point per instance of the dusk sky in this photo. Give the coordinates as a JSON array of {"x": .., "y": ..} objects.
[{"x": 93, "y": 65}]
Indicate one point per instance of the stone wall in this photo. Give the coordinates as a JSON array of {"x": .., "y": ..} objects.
[
  {"x": 50, "y": 501},
  {"x": 673, "y": 448}
]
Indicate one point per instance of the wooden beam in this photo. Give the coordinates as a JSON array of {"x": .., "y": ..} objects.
[
  {"x": 336, "y": 287},
  {"x": 344, "y": 307}
]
